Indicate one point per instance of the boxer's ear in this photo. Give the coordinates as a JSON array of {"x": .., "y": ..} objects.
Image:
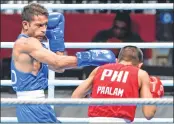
[
  {"x": 140, "y": 65},
  {"x": 117, "y": 60},
  {"x": 25, "y": 25}
]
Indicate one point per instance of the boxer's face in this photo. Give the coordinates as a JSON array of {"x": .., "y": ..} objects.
[{"x": 37, "y": 27}]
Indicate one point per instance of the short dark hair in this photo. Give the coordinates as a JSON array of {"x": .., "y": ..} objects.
[
  {"x": 132, "y": 54},
  {"x": 33, "y": 9}
]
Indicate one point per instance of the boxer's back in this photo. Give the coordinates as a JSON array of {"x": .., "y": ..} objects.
[
  {"x": 115, "y": 81},
  {"x": 26, "y": 73}
]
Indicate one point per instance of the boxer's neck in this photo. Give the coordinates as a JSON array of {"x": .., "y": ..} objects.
[
  {"x": 125, "y": 62},
  {"x": 25, "y": 33},
  {"x": 130, "y": 63}
]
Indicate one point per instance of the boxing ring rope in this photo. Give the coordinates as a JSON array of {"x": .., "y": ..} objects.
[
  {"x": 74, "y": 82},
  {"x": 104, "y": 45},
  {"x": 118, "y": 6},
  {"x": 91, "y": 101},
  {"x": 52, "y": 83},
  {"x": 87, "y": 120},
  {"x": 69, "y": 101}
]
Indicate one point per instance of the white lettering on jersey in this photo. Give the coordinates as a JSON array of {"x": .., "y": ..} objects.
[
  {"x": 106, "y": 73},
  {"x": 109, "y": 91},
  {"x": 14, "y": 79},
  {"x": 119, "y": 76},
  {"x": 125, "y": 76}
]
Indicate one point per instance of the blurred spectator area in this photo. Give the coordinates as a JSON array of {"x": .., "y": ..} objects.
[
  {"x": 160, "y": 56},
  {"x": 89, "y": 1}
]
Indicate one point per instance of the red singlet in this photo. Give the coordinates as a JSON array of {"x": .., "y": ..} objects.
[{"x": 115, "y": 81}]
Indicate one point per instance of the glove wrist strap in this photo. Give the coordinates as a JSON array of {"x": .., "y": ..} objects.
[{"x": 83, "y": 58}]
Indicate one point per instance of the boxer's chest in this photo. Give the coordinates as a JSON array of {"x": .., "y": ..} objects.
[{"x": 36, "y": 66}]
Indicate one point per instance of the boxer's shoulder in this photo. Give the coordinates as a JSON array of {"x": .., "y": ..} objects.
[
  {"x": 24, "y": 40},
  {"x": 26, "y": 43},
  {"x": 142, "y": 73}
]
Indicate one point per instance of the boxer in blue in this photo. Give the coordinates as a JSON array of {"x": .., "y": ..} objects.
[{"x": 31, "y": 60}]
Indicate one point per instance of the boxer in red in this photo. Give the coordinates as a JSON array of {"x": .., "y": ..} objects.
[{"x": 123, "y": 79}]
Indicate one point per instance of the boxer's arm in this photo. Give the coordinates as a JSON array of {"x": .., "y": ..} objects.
[
  {"x": 34, "y": 48},
  {"x": 82, "y": 90},
  {"x": 148, "y": 110},
  {"x": 57, "y": 70}
]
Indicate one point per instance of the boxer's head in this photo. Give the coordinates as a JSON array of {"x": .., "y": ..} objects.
[
  {"x": 34, "y": 20},
  {"x": 132, "y": 55}
]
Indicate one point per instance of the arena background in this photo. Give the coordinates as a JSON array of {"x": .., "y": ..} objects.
[{"x": 81, "y": 26}]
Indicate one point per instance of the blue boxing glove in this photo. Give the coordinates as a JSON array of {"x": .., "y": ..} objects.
[
  {"x": 95, "y": 57},
  {"x": 55, "y": 32}
]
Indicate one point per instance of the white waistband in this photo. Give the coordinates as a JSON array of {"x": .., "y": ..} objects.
[
  {"x": 31, "y": 94},
  {"x": 107, "y": 119}
]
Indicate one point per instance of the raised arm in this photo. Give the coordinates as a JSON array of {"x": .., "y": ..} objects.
[
  {"x": 148, "y": 110},
  {"x": 82, "y": 90}
]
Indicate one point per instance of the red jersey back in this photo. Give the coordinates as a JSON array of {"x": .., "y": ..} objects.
[{"x": 115, "y": 81}]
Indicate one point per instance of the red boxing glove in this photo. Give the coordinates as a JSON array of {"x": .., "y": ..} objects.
[{"x": 156, "y": 87}]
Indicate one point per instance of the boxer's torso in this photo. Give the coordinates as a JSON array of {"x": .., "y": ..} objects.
[
  {"x": 115, "y": 81},
  {"x": 26, "y": 72}
]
